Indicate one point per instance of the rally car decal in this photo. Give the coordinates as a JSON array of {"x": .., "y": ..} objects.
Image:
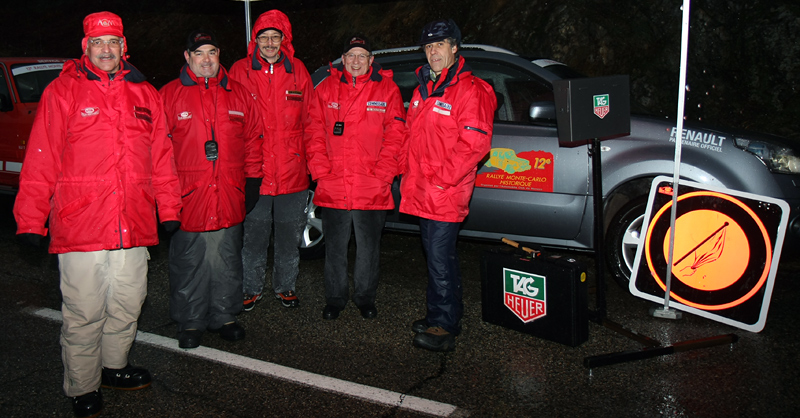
[{"x": 527, "y": 170}]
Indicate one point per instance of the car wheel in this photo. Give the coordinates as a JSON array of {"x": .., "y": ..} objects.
[
  {"x": 312, "y": 245},
  {"x": 623, "y": 239}
]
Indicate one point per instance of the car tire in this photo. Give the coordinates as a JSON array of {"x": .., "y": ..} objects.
[
  {"x": 312, "y": 245},
  {"x": 623, "y": 238}
]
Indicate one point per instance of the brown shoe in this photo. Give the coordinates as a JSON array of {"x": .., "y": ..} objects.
[{"x": 435, "y": 339}]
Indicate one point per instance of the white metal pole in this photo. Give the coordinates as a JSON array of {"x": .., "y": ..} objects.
[
  {"x": 247, "y": 21},
  {"x": 678, "y": 142}
]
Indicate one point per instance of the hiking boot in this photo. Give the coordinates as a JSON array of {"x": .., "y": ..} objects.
[
  {"x": 435, "y": 339},
  {"x": 420, "y": 325},
  {"x": 126, "y": 378},
  {"x": 87, "y": 405}
]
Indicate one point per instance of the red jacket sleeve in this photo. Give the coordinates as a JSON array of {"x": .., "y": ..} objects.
[
  {"x": 41, "y": 165},
  {"x": 165, "y": 175},
  {"x": 254, "y": 137},
  {"x": 314, "y": 135},
  {"x": 475, "y": 122},
  {"x": 394, "y": 135}
]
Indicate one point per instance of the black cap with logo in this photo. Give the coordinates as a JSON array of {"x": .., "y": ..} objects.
[{"x": 199, "y": 38}]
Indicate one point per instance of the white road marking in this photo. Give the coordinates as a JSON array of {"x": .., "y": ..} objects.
[{"x": 329, "y": 384}]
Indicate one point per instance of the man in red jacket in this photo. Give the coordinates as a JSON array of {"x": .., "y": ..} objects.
[
  {"x": 97, "y": 164},
  {"x": 450, "y": 131},
  {"x": 355, "y": 163},
  {"x": 216, "y": 133},
  {"x": 288, "y": 108}
]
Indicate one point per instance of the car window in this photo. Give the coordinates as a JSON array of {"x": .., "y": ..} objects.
[
  {"x": 31, "y": 79},
  {"x": 406, "y": 79},
  {"x": 515, "y": 88}
]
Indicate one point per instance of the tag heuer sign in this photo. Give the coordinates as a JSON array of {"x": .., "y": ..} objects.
[
  {"x": 524, "y": 294},
  {"x": 601, "y": 105}
]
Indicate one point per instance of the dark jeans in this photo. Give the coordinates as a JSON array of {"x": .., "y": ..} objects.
[
  {"x": 444, "y": 294},
  {"x": 286, "y": 213},
  {"x": 205, "y": 278},
  {"x": 336, "y": 226}
]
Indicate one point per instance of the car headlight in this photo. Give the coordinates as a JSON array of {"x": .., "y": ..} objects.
[{"x": 777, "y": 158}]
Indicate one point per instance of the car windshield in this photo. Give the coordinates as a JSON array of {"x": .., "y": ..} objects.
[{"x": 31, "y": 79}]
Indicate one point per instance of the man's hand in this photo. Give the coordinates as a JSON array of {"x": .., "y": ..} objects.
[
  {"x": 32, "y": 240},
  {"x": 251, "y": 193},
  {"x": 171, "y": 226}
]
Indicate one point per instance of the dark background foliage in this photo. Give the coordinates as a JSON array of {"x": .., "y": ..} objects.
[{"x": 742, "y": 62}]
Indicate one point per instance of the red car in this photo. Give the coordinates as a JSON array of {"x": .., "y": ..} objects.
[{"x": 22, "y": 81}]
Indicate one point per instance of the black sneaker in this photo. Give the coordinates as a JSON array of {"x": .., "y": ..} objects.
[
  {"x": 368, "y": 311},
  {"x": 88, "y": 405},
  {"x": 288, "y": 299},
  {"x": 229, "y": 332},
  {"x": 435, "y": 339},
  {"x": 127, "y": 378},
  {"x": 190, "y": 338},
  {"x": 250, "y": 302},
  {"x": 331, "y": 312}
]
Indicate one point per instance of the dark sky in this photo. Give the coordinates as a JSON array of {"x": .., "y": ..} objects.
[{"x": 743, "y": 59}]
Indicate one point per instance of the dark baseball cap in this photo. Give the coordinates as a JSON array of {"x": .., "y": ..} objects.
[
  {"x": 199, "y": 38},
  {"x": 439, "y": 30},
  {"x": 356, "y": 41}
]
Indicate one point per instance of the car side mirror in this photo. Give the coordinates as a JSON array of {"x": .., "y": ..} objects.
[{"x": 543, "y": 113}]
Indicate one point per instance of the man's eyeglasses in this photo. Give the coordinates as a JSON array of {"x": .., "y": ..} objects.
[
  {"x": 98, "y": 43},
  {"x": 361, "y": 57},
  {"x": 267, "y": 38}
]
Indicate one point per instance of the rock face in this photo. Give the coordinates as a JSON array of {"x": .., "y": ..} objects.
[{"x": 742, "y": 62}]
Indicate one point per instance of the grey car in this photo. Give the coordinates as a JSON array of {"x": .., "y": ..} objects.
[{"x": 533, "y": 191}]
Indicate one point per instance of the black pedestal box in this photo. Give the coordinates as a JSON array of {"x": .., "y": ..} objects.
[{"x": 545, "y": 297}]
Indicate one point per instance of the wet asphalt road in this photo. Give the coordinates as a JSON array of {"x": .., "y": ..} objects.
[{"x": 494, "y": 372}]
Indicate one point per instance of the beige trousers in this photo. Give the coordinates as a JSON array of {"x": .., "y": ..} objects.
[{"x": 102, "y": 293}]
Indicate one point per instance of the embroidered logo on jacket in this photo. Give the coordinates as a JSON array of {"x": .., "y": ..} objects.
[
  {"x": 442, "y": 108},
  {"x": 184, "y": 115},
  {"x": 142, "y": 113},
  {"x": 374, "y": 106},
  {"x": 294, "y": 95},
  {"x": 333, "y": 105},
  {"x": 90, "y": 111}
]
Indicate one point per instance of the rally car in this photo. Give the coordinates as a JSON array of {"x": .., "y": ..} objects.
[
  {"x": 534, "y": 191},
  {"x": 22, "y": 81}
]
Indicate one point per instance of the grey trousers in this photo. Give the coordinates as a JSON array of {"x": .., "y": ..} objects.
[
  {"x": 287, "y": 214},
  {"x": 205, "y": 278},
  {"x": 336, "y": 226},
  {"x": 102, "y": 295}
]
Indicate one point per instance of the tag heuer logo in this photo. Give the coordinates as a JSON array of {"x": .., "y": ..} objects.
[
  {"x": 601, "y": 105},
  {"x": 524, "y": 294}
]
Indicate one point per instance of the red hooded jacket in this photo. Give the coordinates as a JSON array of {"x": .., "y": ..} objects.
[
  {"x": 212, "y": 192},
  {"x": 97, "y": 162},
  {"x": 355, "y": 170},
  {"x": 289, "y": 109},
  {"x": 449, "y": 132}
]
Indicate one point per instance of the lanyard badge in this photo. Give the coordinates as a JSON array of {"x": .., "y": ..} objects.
[
  {"x": 212, "y": 150},
  {"x": 338, "y": 128}
]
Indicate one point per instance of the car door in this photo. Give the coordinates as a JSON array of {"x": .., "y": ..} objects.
[{"x": 528, "y": 188}]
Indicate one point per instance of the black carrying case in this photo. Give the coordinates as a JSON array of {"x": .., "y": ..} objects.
[{"x": 548, "y": 294}]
